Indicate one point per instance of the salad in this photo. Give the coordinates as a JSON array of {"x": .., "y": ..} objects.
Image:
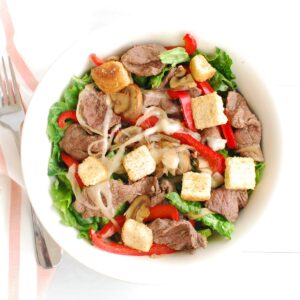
[{"x": 154, "y": 151}]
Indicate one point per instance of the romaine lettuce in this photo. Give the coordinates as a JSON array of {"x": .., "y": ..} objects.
[
  {"x": 213, "y": 220},
  {"x": 174, "y": 56}
]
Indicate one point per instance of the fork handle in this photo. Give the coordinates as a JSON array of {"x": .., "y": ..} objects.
[{"x": 48, "y": 253}]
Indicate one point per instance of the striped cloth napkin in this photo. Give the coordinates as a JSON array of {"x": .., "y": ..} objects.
[{"x": 20, "y": 276}]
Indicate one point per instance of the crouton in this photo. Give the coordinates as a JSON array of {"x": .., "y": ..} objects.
[
  {"x": 208, "y": 111},
  {"x": 111, "y": 77},
  {"x": 201, "y": 69},
  {"x": 139, "y": 163},
  {"x": 196, "y": 186},
  {"x": 91, "y": 171},
  {"x": 137, "y": 235},
  {"x": 239, "y": 173}
]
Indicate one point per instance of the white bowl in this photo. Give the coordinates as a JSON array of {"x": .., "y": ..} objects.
[{"x": 36, "y": 151}]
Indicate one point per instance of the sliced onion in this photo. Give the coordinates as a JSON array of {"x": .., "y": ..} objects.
[
  {"x": 90, "y": 147},
  {"x": 77, "y": 191},
  {"x": 216, "y": 180},
  {"x": 216, "y": 143}
]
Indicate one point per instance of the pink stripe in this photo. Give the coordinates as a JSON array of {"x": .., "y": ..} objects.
[
  {"x": 14, "y": 241},
  {"x": 18, "y": 61},
  {"x": 44, "y": 278},
  {"x": 3, "y": 168}
]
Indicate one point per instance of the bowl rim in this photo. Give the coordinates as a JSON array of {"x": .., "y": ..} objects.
[{"x": 135, "y": 277}]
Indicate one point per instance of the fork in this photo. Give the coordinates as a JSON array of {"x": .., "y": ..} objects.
[{"x": 12, "y": 114}]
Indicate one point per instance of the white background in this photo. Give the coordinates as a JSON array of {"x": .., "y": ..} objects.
[{"x": 269, "y": 267}]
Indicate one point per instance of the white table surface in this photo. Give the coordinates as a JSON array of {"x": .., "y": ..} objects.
[{"x": 269, "y": 264}]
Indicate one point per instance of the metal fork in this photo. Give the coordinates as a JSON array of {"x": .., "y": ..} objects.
[{"x": 12, "y": 114}]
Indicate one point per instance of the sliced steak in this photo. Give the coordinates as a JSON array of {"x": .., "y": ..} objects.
[
  {"x": 249, "y": 131},
  {"x": 179, "y": 235},
  {"x": 212, "y": 132},
  {"x": 92, "y": 107},
  {"x": 238, "y": 111},
  {"x": 122, "y": 193},
  {"x": 227, "y": 202},
  {"x": 248, "y": 142},
  {"x": 161, "y": 99},
  {"x": 76, "y": 142},
  {"x": 167, "y": 78},
  {"x": 143, "y": 60}
]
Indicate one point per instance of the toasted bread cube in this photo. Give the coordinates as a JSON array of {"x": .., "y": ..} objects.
[
  {"x": 111, "y": 77},
  {"x": 91, "y": 171},
  {"x": 137, "y": 235},
  {"x": 201, "y": 69},
  {"x": 196, "y": 186},
  {"x": 239, "y": 173},
  {"x": 208, "y": 111},
  {"x": 139, "y": 163}
]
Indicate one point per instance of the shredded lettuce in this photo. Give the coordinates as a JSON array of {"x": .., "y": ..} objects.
[
  {"x": 213, "y": 220},
  {"x": 174, "y": 56}
]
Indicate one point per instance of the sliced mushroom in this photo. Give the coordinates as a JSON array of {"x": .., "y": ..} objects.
[
  {"x": 184, "y": 162},
  {"x": 120, "y": 102},
  {"x": 185, "y": 82},
  {"x": 126, "y": 133},
  {"x": 135, "y": 100},
  {"x": 180, "y": 71},
  {"x": 139, "y": 209}
]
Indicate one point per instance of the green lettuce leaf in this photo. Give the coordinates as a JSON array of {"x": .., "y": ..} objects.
[
  {"x": 156, "y": 80},
  {"x": 224, "y": 78},
  {"x": 148, "y": 82},
  {"x": 142, "y": 81},
  {"x": 185, "y": 207},
  {"x": 222, "y": 62},
  {"x": 205, "y": 232},
  {"x": 214, "y": 221},
  {"x": 219, "y": 224},
  {"x": 220, "y": 83},
  {"x": 259, "y": 169},
  {"x": 55, "y": 134},
  {"x": 174, "y": 56}
]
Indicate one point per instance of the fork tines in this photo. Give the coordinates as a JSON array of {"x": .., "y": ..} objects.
[{"x": 10, "y": 98}]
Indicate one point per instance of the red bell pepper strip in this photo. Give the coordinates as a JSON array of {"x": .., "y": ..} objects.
[
  {"x": 69, "y": 161},
  {"x": 150, "y": 122},
  {"x": 66, "y": 115},
  {"x": 95, "y": 60},
  {"x": 171, "y": 47},
  {"x": 163, "y": 211},
  {"x": 110, "y": 229},
  {"x": 228, "y": 135},
  {"x": 186, "y": 106},
  {"x": 205, "y": 87},
  {"x": 216, "y": 161},
  {"x": 122, "y": 249},
  {"x": 98, "y": 239},
  {"x": 190, "y": 44}
]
